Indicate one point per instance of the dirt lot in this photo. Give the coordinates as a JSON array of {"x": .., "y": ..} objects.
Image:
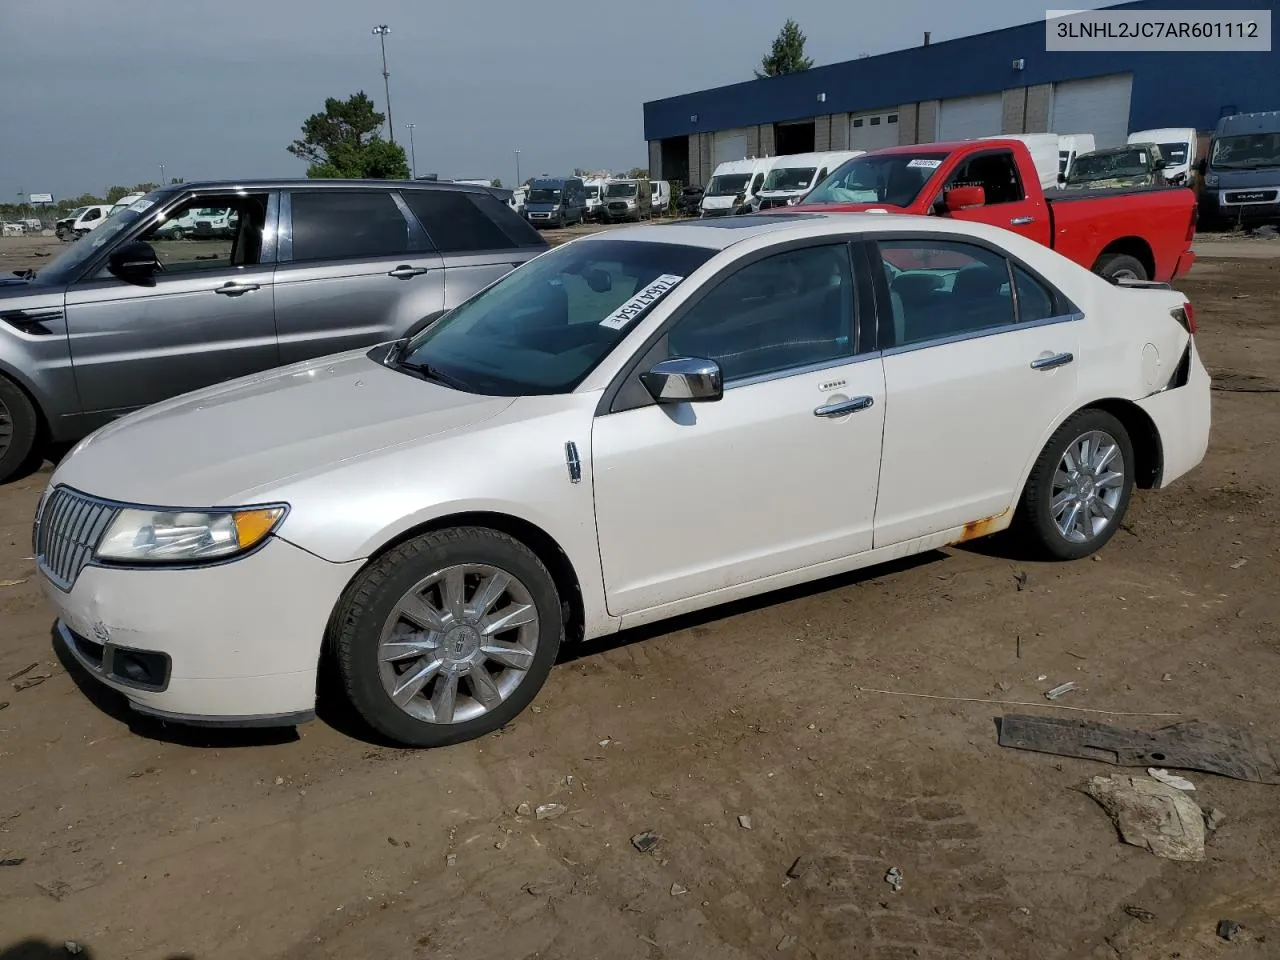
[{"x": 146, "y": 841}]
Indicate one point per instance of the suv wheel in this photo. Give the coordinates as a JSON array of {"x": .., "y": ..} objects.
[{"x": 18, "y": 430}]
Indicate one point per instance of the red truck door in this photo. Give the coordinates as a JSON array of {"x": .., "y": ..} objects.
[{"x": 1010, "y": 202}]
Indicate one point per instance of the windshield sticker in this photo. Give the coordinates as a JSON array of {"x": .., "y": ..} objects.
[
  {"x": 142, "y": 205},
  {"x": 640, "y": 302},
  {"x": 923, "y": 163}
]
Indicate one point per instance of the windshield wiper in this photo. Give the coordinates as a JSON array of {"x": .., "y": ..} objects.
[{"x": 424, "y": 370}]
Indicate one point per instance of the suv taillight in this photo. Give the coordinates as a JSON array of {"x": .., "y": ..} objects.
[{"x": 1186, "y": 316}]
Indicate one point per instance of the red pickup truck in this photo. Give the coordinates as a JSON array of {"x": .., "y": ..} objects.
[{"x": 1141, "y": 233}]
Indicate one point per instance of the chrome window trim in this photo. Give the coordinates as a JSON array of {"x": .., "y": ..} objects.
[
  {"x": 799, "y": 371},
  {"x": 980, "y": 334}
]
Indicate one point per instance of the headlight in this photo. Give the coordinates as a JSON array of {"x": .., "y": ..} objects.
[
  {"x": 170, "y": 536},
  {"x": 1211, "y": 180}
]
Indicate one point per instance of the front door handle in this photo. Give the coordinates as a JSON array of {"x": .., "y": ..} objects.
[
  {"x": 844, "y": 406},
  {"x": 233, "y": 289},
  {"x": 404, "y": 271},
  {"x": 1053, "y": 362},
  {"x": 1021, "y": 221}
]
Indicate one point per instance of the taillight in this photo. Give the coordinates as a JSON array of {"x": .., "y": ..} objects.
[
  {"x": 1186, "y": 316},
  {"x": 1191, "y": 226}
]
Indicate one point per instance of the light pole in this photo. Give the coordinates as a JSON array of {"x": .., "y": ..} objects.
[
  {"x": 381, "y": 31},
  {"x": 413, "y": 156},
  {"x": 518, "y": 183},
  {"x": 162, "y": 182}
]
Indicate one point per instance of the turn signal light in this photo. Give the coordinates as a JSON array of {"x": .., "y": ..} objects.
[{"x": 1186, "y": 316}]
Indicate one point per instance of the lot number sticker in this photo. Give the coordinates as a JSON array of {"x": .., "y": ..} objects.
[
  {"x": 640, "y": 302},
  {"x": 923, "y": 163},
  {"x": 142, "y": 205}
]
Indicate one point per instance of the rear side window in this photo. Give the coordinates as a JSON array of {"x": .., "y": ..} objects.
[
  {"x": 456, "y": 222},
  {"x": 517, "y": 229},
  {"x": 347, "y": 225},
  {"x": 1035, "y": 300}
]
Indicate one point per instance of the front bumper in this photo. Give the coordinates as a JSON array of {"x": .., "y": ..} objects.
[
  {"x": 1225, "y": 206},
  {"x": 235, "y": 644}
]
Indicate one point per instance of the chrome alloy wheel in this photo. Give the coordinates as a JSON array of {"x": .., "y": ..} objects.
[
  {"x": 458, "y": 643},
  {"x": 1087, "y": 486}
]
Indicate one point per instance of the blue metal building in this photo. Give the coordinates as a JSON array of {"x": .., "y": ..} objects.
[{"x": 991, "y": 83}]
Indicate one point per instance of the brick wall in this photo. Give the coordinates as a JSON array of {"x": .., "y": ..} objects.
[
  {"x": 1039, "y": 98},
  {"x": 907, "y": 116},
  {"x": 926, "y": 121},
  {"x": 1014, "y": 107}
]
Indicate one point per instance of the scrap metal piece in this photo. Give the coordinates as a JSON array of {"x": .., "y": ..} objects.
[
  {"x": 1152, "y": 815},
  {"x": 1059, "y": 690},
  {"x": 1186, "y": 745}
]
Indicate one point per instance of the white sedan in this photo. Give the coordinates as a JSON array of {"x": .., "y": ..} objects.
[{"x": 634, "y": 425}]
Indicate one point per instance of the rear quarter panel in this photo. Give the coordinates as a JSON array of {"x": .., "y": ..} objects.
[{"x": 1086, "y": 226}]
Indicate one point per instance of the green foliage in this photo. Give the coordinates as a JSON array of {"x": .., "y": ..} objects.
[
  {"x": 497, "y": 182},
  {"x": 787, "y": 54},
  {"x": 638, "y": 173},
  {"x": 343, "y": 143}
]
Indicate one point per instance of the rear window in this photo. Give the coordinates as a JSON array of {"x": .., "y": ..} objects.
[{"x": 462, "y": 222}]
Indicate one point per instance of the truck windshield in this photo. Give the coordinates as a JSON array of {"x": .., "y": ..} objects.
[
  {"x": 1104, "y": 166},
  {"x": 895, "y": 179},
  {"x": 1246, "y": 152},
  {"x": 1174, "y": 153},
  {"x": 593, "y": 192},
  {"x": 541, "y": 329},
  {"x": 620, "y": 190},
  {"x": 544, "y": 195},
  {"x": 728, "y": 184},
  {"x": 789, "y": 178}
]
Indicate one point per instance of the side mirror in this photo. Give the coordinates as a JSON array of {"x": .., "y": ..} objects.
[
  {"x": 684, "y": 380},
  {"x": 1062, "y": 178},
  {"x": 135, "y": 262},
  {"x": 959, "y": 198},
  {"x": 1201, "y": 166}
]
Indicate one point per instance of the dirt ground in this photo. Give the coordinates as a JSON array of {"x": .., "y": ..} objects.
[{"x": 144, "y": 841}]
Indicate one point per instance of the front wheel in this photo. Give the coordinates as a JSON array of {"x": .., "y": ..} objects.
[
  {"x": 1079, "y": 488},
  {"x": 19, "y": 429},
  {"x": 1120, "y": 266},
  {"x": 448, "y": 636}
]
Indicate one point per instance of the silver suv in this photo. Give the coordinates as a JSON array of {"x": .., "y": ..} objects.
[{"x": 130, "y": 314}]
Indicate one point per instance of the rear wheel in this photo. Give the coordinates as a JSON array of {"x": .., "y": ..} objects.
[
  {"x": 19, "y": 428},
  {"x": 448, "y": 636},
  {"x": 1079, "y": 488},
  {"x": 1120, "y": 266}
]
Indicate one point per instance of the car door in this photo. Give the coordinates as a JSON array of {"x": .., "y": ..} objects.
[
  {"x": 208, "y": 316},
  {"x": 979, "y": 360},
  {"x": 479, "y": 242},
  {"x": 356, "y": 269},
  {"x": 1007, "y": 203},
  {"x": 777, "y": 475}
]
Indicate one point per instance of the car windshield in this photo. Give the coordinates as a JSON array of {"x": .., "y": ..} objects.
[
  {"x": 593, "y": 192},
  {"x": 789, "y": 178},
  {"x": 543, "y": 327},
  {"x": 544, "y": 195},
  {"x": 728, "y": 184},
  {"x": 1174, "y": 153},
  {"x": 75, "y": 214},
  {"x": 79, "y": 253},
  {"x": 1105, "y": 166},
  {"x": 1246, "y": 152},
  {"x": 895, "y": 179},
  {"x": 620, "y": 190}
]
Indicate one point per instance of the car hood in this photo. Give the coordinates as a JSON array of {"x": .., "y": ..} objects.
[
  {"x": 211, "y": 447},
  {"x": 1229, "y": 179}
]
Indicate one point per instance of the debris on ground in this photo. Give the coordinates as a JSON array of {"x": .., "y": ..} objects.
[
  {"x": 451, "y": 859},
  {"x": 786, "y": 943},
  {"x": 652, "y": 943},
  {"x": 1020, "y": 578},
  {"x": 18, "y": 673},
  {"x": 549, "y": 811},
  {"x": 524, "y": 810},
  {"x": 1239, "y": 563},
  {"x": 799, "y": 867},
  {"x": 1214, "y": 819},
  {"x": 646, "y": 841},
  {"x": 72, "y": 947},
  {"x": 1060, "y": 690},
  {"x": 894, "y": 879},
  {"x": 13, "y": 862},
  {"x": 744, "y": 822},
  {"x": 12, "y": 583},
  {"x": 1152, "y": 815},
  {"x": 1172, "y": 779},
  {"x": 34, "y": 680},
  {"x": 677, "y": 890},
  {"x": 55, "y": 889},
  {"x": 1140, "y": 913},
  {"x": 1228, "y": 929},
  {"x": 3, "y": 704},
  {"x": 1186, "y": 745}
]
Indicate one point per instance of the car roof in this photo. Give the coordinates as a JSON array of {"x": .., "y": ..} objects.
[{"x": 321, "y": 184}]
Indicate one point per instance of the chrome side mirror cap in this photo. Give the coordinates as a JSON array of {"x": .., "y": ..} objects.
[{"x": 684, "y": 380}]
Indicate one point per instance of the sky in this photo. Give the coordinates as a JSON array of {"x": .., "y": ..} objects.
[{"x": 94, "y": 94}]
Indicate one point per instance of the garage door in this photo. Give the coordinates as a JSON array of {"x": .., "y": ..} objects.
[
  {"x": 729, "y": 145},
  {"x": 873, "y": 131},
  {"x": 966, "y": 117},
  {"x": 1099, "y": 105}
]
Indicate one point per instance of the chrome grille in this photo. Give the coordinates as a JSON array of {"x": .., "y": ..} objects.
[{"x": 68, "y": 529}]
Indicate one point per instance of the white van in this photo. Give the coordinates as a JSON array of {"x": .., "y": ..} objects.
[
  {"x": 1070, "y": 146},
  {"x": 81, "y": 221},
  {"x": 661, "y": 196},
  {"x": 123, "y": 203},
  {"x": 1043, "y": 148},
  {"x": 795, "y": 175},
  {"x": 595, "y": 197},
  {"x": 1177, "y": 147},
  {"x": 733, "y": 185}
]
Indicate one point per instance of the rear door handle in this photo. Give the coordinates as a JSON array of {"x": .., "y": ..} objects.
[
  {"x": 1021, "y": 221},
  {"x": 843, "y": 407},
  {"x": 233, "y": 289},
  {"x": 1051, "y": 363},
  {"x": 404, "y": 271}
]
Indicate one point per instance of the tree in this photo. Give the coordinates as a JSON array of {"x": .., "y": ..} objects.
[
  {"x": 497, "y": 183},
  {"x": 343, "y": 142},
  {"x": 787, "y": 55},
  {"x": 638, "y": 173}
]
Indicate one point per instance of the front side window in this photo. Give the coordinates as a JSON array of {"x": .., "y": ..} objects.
[
  {"x": 210, "y": 233},
  {"x": 895, "y": 179},
  {"x": 996, "y": 173},
  {"x": 347, "y": 225},
  {"x": 92, "y": 214},
  {"x": 541, "y": 329},
  {"x": 941, "y": 288},
  {"x": 786, "y": 311}
]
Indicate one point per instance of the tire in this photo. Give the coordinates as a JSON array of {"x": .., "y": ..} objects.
[
  {"x": 1099, "y": 493},
  {"x": 371, "y": 615},
  {"x": 19, "y": 429},
  {"x": 1120, "y": 265}
]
